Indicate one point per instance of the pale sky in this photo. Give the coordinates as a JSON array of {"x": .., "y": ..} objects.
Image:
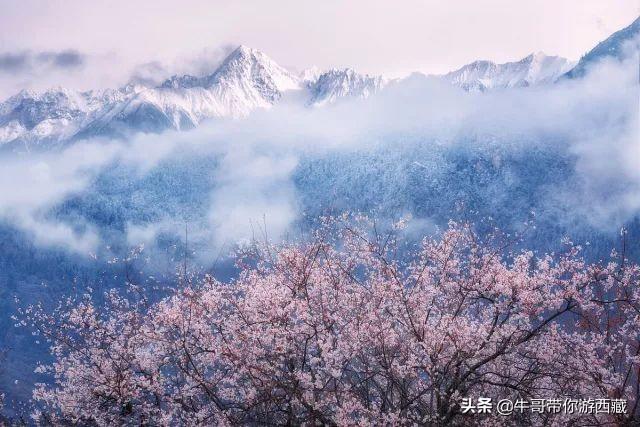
[{"x": 97, "y": 43}]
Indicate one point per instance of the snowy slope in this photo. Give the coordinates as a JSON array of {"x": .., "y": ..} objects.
[
  {"x": 484, "y": 75},
  {"x": 612, "y": 47},
  {"x": 54, "y": 115},
  {"x": 336, "y": 84}
]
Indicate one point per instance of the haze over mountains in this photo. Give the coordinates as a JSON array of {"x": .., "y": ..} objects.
[{"x": 245, "y": 81}]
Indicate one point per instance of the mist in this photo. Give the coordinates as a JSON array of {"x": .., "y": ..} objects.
[{"x": 241, "y": 174}]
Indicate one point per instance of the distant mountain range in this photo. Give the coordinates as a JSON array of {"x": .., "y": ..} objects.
[
  {"x": 535, "y": 69},
  {"x": 246, "y": 80}
]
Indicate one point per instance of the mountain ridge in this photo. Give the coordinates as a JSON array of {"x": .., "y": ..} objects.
[
  {"x": 535, "y": 68},
  {"x": 613, "y": 46},
  {"x": 246, "y": 80}
]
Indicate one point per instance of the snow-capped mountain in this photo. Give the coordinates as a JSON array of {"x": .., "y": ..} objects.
[
  {"x": 54, "y": 113},
  {"x": 245, "y": 81},
  {"x": 612, "y": 47},
  {"x": 31, "y": 118},
  {"x": 336, "y": 84},
  {"x": 534, "y": 69}
]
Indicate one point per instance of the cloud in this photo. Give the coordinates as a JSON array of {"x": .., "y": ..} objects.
[
  {"x": 201, "y": 63},
  {"x": 40, "y": 70},
  {"x": 74, "y": 69},
  {"x": 254, "y": 193},
  {"x": 40, "y": 62},
  {"x": 12, "y": 62},
  {"x": 63, "y": 59},
  {"x": 30, "y": 187},
  {"x": 150, "y": 74}
]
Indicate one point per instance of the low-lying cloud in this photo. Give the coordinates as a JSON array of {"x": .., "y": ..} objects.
[
  {"x": 593, "y": 121},
  {"x": 40, "y": 62}
]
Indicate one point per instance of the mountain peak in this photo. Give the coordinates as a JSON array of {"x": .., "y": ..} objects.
[
  {"x": 243, "y": 50},
  {"x": 536, "y": 56},
  {"x": 243, "y": 53},
  {"x": 244, "y": 56},
  {"x": 247, "y": 65}
]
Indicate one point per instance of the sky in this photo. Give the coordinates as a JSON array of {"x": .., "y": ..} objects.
[{"x": 101, "y": 43}]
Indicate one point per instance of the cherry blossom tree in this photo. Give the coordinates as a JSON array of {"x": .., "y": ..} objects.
[{"x": 353, "y": 327}]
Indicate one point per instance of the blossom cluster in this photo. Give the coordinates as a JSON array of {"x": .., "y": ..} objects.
[{"x": 351, "y": 327}]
